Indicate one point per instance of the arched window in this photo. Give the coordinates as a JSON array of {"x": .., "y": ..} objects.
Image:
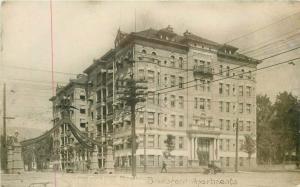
[
  {"x": 153, "y": 53},
  {"x": 144, "y": 51},
  {"x": 172, "y": 61}
]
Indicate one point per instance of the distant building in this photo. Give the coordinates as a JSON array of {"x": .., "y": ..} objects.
[{"x": 196, "y": 93}]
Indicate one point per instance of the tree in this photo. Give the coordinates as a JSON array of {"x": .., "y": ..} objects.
[
  {"x": 249, "y": 146},
  {"x": 285, "y": 125},
  {"x": 277, "y": 127},
  {"x": 265, "y": 135},
  {"x": 170, "y": 144}
]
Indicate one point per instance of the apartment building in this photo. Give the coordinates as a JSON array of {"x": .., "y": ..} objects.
[
  {"x": 197, "y": 90},
  {"x": 66, "y": 147}
]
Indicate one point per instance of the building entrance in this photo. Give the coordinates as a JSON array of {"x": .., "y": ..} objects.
[{"x": 203, "y": 151}]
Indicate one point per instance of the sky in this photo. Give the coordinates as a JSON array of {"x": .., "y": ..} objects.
[{"x": 83, "y": 31}]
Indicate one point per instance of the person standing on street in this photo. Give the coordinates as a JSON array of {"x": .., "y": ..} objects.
[{"x": 164, "y": 167}]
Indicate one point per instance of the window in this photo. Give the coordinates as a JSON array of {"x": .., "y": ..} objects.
[
  {"x": 158, "y": 78},
  {"x": 227, "y": 71},
  {"x": 248, "y": 128},
  {"x": 248, "y": 108},
  {"x": 144, "y": 51},
  {"x": 241, "y": 107},
  {"x": 150, "y": 141},
  {"x": 240, "y": 145},
  {"x": 150, "y": 160},
  {"x": 241, "y": 91},
  {"x": 142, "y": 160},
  {"x": 228, "y": 125},
  {"x": 221, "y": 124},
  {"x": 227, "y": 161},
  {"x": 248, "y": 91},
  {"x": 180, "y": 101},
  {"x": 180, "y": 82},
  {"x": 165, "y": 101},
  {"x": 141, "y": 116},
  {"x": 141, "y": 74},
  {"x": 202, "y": 103},
  {"x": 158, "y": 141},
  {"x": 153, "y": 53},
  {"x": 173, "y": 82},
  {"x": 208, "y": 104},
  {"x": 166, "y": 80},
  {"x": 172, "y": 100},
  {"x": 208, "y": 123},
  {"x": 227, "y": 107},
  {"x": 180, "y": 62},
  {"x": 150, "y": 76},
  {"x": 150, "y": 118},
  {"x": 202, "y": 85},
  {"x": 82, "y": 123},
  {"x": 180, "y": 123},
  {"x": 227, "y": 145},
  {"x": 82, "y": 97},
  {"x": 249, "y": 74},
  {"x": 221, "y": 106},
  {"x": 233, "y": 90},
  {"x": 92, "y": 115},
  {"x": 241, "y": 75},
  {"x": 221, "y": 70},
  {"x": 150, "y": 98},
  {"x": 172, "y": 61},
  {"x": 221, "y": 145},
  {"x": 180, "y": 142},
  {"x": 172, "y": 121},
  {"x": 82, "y": 111},
  {"x": 195, "y": 62},
  {"x": 180, "y": 160},
  {"x": 196, "y": 103},
  {"x": 233, "y": 108},
  {"x": 241, "y": 125},
  {"x": 208, "y": 86},
  {"x": 227, "y": 89},
  {"x": 220, "y": 88}
]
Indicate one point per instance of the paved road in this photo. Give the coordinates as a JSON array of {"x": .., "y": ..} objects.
[{"x": 243, "y": 179}]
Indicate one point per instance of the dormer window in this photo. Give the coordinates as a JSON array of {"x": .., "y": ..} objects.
[
  {"x": 167, "y": 38},
  {"x": 160, "y": 36}
]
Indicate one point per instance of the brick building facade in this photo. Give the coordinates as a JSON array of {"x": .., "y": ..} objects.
[{"x": 196, "y": 92}]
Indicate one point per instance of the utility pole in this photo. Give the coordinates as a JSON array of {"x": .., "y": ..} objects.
[
  {"x": 4, "y": 152},
  {"x": 145, "y": 155},
  {"x": 133, "y": 94},
  {"x": 4, "y": 130},
  {"x": 236, "y": 145}
]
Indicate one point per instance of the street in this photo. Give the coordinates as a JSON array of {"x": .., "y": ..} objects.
[{"x": 243, "y": 179}]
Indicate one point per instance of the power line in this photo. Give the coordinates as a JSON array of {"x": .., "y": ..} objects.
[
  {"x": 266, "y": 67},
  {"x": 262, "y": 28},
  {"x": 264, "y": 42},
  {"x": 234, "y": 68},
  {"x": 41, "y": 70}
]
